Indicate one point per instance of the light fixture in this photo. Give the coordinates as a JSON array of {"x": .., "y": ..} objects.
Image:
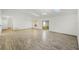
[
  {"x": 44, "y": 13},
  {"x": 57, "y": 10},
  {"x": 34, "y": 14}
]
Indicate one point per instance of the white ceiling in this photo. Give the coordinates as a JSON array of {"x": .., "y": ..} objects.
[{"x": 38, "y": 12}]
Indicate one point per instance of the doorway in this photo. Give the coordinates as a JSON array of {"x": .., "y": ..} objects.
[{"x": 45, "y": 24}]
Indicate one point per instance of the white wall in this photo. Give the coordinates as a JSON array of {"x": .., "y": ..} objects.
[
  {"x": 0, "y": 22},
  {"x": 78, "y": 28},
  {"x": 65, "y": 23},
  {"x": 21, "y": 23},
  {"x": 19, "y": 20}
]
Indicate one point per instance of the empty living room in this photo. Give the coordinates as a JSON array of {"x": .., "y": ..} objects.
[{"x": 39, "y": 29}]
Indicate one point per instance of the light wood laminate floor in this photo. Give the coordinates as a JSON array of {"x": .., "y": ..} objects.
[{"x": 33, "y": 39}]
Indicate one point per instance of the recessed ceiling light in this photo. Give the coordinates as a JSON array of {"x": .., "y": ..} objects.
[
  {"x": 44, "y": 13},
  {"x": 57, "y": 10},
  {"x": 35, "y": 14}
]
